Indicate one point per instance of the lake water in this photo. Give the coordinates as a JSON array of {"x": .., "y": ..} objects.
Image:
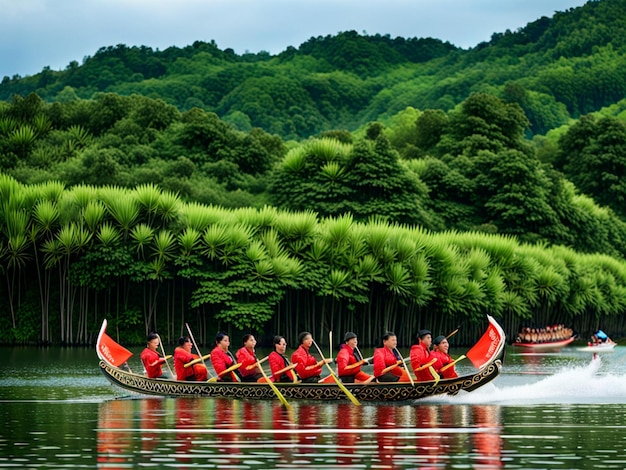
[{"x": 550, "y": 411}]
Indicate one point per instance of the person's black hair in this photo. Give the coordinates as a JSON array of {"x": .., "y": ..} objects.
[
  {"x": 152, "y": 336},
  {"x": 183, "y": 339},
  {"x": 219, "y": 337},
  {"x": 276, "y": 340},
  {"x": 246, "y": 337},
  {"x": 303, "y": 335},
  {"x": 387, "y": 335}
]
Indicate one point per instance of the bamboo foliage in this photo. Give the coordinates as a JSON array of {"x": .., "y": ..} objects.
[{"x": 118, "y": 253}]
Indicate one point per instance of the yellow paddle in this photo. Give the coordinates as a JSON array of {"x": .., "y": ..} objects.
[
  {"x": 278, "y": 373},
  {"x": 195, "y": 361},
  {"x": 196, "y": 346},
  {"x": 336, "y": 379},
  {"x": 426, "y": 366},
  {"x": 165, "y": 356},
  {"x": 447, "y": 366},
  {"x": 230, "y": 369},
  {"x": 434, "y": 374},
  {"x": 280, "y": 396},
  {"x": 257, "y": 363},
  {"x": 407, "y": 370}
]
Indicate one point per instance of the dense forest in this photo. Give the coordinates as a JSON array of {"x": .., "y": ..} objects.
[
  {"x": 556, "y": 68},
  {"x": 356, "y": 182}
]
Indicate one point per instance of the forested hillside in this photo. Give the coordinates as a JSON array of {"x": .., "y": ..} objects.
[
  {"x": 353, "y": 180},
  {"x": 555, "y": 68}
]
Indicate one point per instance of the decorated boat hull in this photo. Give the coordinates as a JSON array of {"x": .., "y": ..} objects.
[
  {"x": 486, "y": 355},
  {"x": 383, "y": 392}
]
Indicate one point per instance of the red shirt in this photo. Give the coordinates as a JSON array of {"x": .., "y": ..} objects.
[
  {"x": 420, "y": 356},
  {"x": 152, "y": 363},
  {"x": 278, "y": 362},
  {"x": 345, "y": 358},
  {"x": 195, "y": 372},
  {"x": 305, "y": 359},
  {"x": 246, "y": 358},
  {"x": 221, "y": 361},
  {"x": 442, "y": 360},
  {"x": 383, "y": 358}
]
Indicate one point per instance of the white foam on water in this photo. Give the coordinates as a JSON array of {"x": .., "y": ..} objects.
[{"x": 581, "y": 384}]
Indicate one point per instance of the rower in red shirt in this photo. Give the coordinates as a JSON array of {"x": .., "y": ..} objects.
[
  {"x": 308, "y": 369},
  {"x": 282, "y": 370},
  {"x": 440, "y": 352},
  {"x": 421, "y": 360},
  {"x": 349, "y": 361},
  {"x": 222, "y": 359},
  {"x": 152, "y": 360},
  {"x": 246, "y": 356},
  {"x": 183, "y": 355},
  {"x": 387, "y": 366}
]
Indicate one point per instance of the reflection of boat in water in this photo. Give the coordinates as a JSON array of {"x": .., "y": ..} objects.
[
  {"x": 486, "y": 355},
  {"x": 599, "y": 347},
  {"x": 547, "y": 346}
]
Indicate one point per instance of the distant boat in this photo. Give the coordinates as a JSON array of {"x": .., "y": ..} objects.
[
  {"x": 599, "y": 347},
  {"x": 546, "y": 346}
]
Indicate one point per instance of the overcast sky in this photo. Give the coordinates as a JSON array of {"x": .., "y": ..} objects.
[{"x": 39, "y": 33}]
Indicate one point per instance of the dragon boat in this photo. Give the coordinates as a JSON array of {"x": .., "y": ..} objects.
[
  {"x": 546, "y": 346},
  {"x": 486, "y": 355}
]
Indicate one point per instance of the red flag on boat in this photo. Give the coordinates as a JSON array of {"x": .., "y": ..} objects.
[
  {"x": 109, "y": 350},
  {"x": 489, "y": 345}
]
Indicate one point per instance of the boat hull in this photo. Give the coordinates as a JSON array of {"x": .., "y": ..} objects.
[{"x": 373, "y": 392}]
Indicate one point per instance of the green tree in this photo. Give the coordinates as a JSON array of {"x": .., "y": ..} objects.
[{"x": 592, "y": 154}]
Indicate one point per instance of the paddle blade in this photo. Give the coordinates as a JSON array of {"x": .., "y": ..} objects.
[
  {"x": 488, "y": 346},
  {"x": 109, "y": 351}
]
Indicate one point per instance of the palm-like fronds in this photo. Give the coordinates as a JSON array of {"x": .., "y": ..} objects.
[
  {"x": 296, "y": 225},
  {"x": 332, "y": 171},
  {"x": 337, "y": 281},
  {"x": 328, "y": 150},
  {"x": 122, "y": 206},
  {"x": 169, "y": 206},
  {"x": 108, "y": 235},
  {"x": 142, "y": 235},
  {"x": 189, "y": 240},
  {"x": 263, "y": 270},
  {"x": 42, "y": 124},
  {"x": 164, "y": 244},
  {"x": 93, "y": 214},
  {"x": 24, "y": 135},
  {"x": 51, "y": 190},
  {"x": 214, "y": 239},
  {"x": 337, "y": 231},
  {"x": 259, "y": 219},
  {"x": 148, "y": 196},
  {"x": 199, "y": 217},
  {"x": 256, "y": 251},
  {"x": 7, "y": 125},
  {"x": 78, "y": 136},
  {"x": 272, "y": 243},
  {"x": 295, "y": 160},
  {"x": 286, "y": 269},
  {"x": 399, "y": 280},
  {"x": 46, "y": 214},
  {"x": 17, "y": 251}
]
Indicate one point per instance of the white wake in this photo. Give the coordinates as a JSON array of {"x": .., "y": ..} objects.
[{"x": 583, "y": 384}]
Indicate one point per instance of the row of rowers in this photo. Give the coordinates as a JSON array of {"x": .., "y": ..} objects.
[{"x": 388, "y": 364}]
